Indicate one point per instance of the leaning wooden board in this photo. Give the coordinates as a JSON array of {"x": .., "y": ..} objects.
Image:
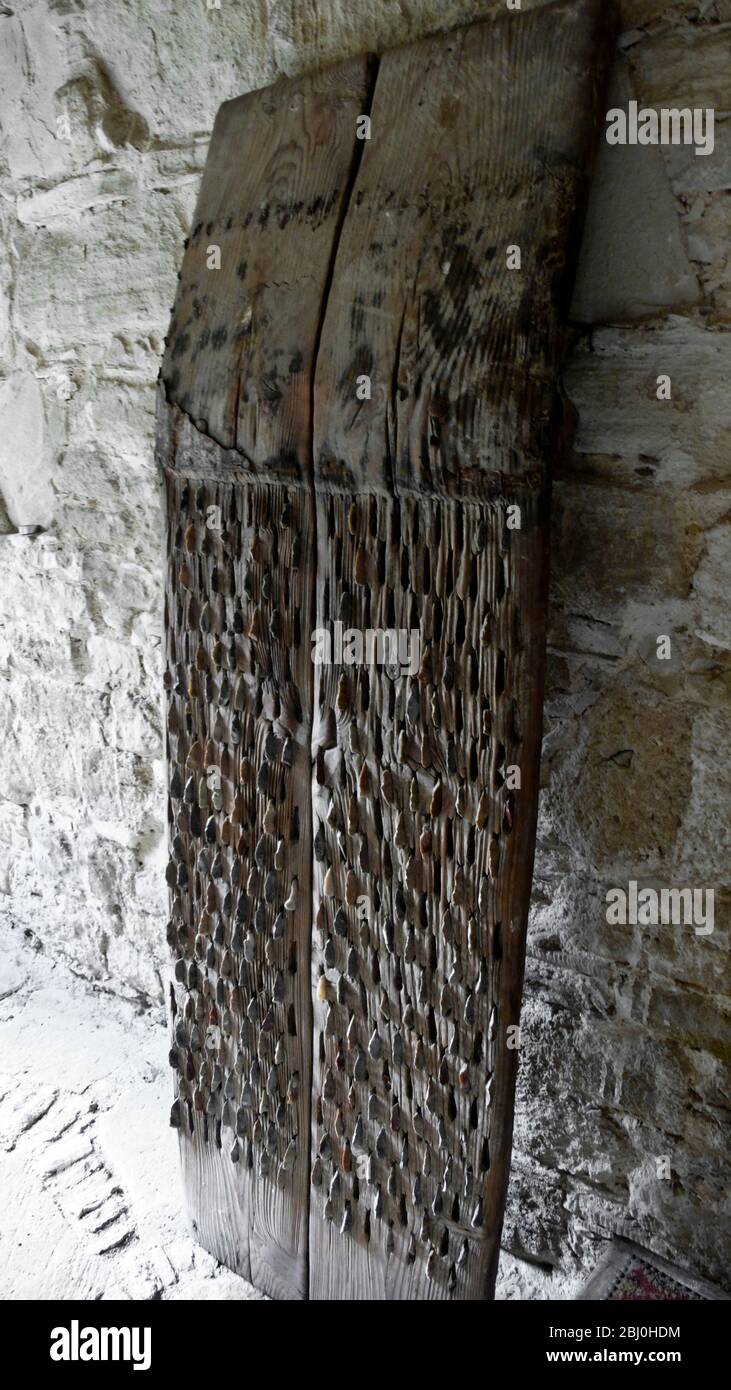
[{"x": 350, "y": 892}]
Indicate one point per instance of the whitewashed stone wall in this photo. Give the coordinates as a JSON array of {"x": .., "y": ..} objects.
[{"x": 106, "y": 116}]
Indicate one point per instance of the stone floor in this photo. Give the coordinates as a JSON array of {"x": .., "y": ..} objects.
[{"x": 91, "y": 1194}]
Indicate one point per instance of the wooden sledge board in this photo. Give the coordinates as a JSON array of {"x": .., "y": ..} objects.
[{"x": 385, "y": 1162}]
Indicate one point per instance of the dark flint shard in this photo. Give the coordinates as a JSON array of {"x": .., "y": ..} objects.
[
  {"x": 340, "y": 923},
  {"x": 203, "y": 863}
]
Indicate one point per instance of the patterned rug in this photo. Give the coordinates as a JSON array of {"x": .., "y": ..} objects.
[{"x": 639, "y": 1281}]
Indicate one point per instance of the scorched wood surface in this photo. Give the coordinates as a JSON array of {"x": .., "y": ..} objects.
[{"x": 352, "y": 844}]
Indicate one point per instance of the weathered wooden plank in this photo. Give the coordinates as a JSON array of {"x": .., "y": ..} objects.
[
  {"x": 424, "y": 837},
  {"x": 482, "y": 140},
  {"x": 243, "y": 337},
  {"x": 234, "y": 443}
]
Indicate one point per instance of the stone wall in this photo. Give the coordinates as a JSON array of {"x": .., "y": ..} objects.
[{"x": 107, "y": 111}]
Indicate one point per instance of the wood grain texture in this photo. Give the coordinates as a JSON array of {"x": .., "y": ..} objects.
[
  {"x": 241, "y": 345},
  {"x": 348, "y": 919},
  {"x": 480, "y": 141}
]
